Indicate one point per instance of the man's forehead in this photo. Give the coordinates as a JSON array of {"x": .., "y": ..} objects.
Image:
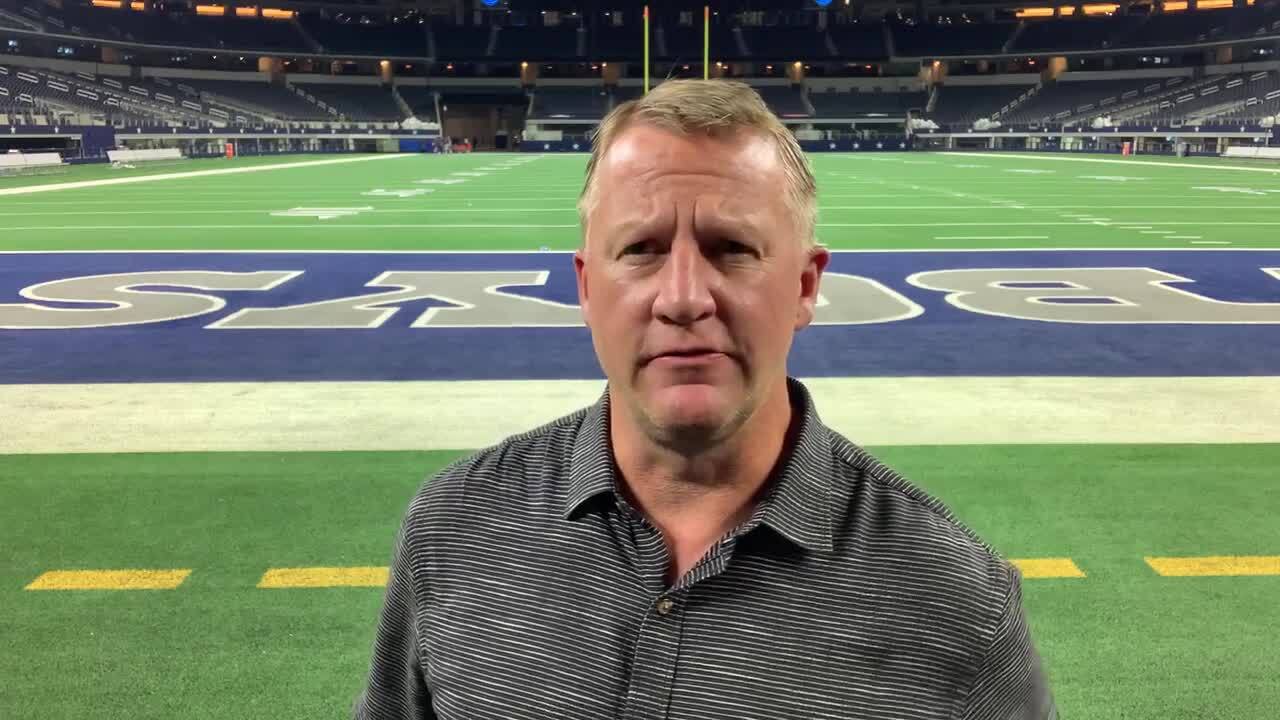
[{"x": 642, "y": 150}]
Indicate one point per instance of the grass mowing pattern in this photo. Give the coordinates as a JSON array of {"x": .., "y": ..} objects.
[
  {"x": 1122, "y": 642},
  {"x": 868, "y": 201}
]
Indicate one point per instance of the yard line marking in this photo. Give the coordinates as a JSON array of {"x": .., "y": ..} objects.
[
  {"x": 1048, "y": 568},
  {"x": 324, "y": 577},
  {"x": 1157, "y": 232},
  {"x": 109, "y": 580},
  {"x": 1134, "y": 227},
  {"x": 1196, "y": 240},
  {"x": 1217, "y": 566},
  {"x": 1193, "y": 166},
  {"x": 25, "y": 190},
  {"x": 326, "y": 213},
  {"x": 991, "y": 237}
]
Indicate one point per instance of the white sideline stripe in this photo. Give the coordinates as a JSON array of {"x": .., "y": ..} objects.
[
  {"x": 308, "y": 226},
  {"x": 1119, "y": 162},
  {"x": 329, "y": 251},
  {"x": 26, "y": 190},
  {"x": 991, "y": 237},
  {"x": 260, "y": 206},
  {"x": 1196, "y": 241},
  {"x": 426, "y": 415}
]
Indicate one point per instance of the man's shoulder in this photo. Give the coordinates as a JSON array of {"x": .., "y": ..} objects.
[
  {"x": 498, "y": 470},
  {"x": 895, "y": 514}
]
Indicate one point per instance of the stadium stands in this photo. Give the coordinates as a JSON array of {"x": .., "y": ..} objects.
[
  {"x": 414, "y": 35},
  {"x": 1229, "y": 98},
  {"x": 1177, "y": 28},
  {"x": 386, "y": 39},
  {"x": 782, "y": 44},
  {"x": 623, "y": 93},
  {"x": 539, "y": 44},
  {"x": 786, "y": 101},
  {"x": 459, "y": 42},
  {"x": 855, "y": 103},
  {"x": 965, "y": 104},
  {"x": 1074, "y": 33},
  {"x": 261, "y": 98},
  {"x": 361, "y": 103},
  {"x": 683, "y": 43},
  {"x": 559, "y": 103},
  {"x": 567, "y": 92},
  {"x": 1062, "y": 101},
  {"x": 950, "y": 39},
  {"x": 176, "y": 28},
  {"x": 29, "y": 91},
  {"x": 609, "y": 43},
  {"x": 421, "y": 101},
  {"x": 863, "y": 41}
]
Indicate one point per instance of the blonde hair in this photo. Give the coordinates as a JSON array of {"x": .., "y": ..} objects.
[{"x": 716, "y": 108}]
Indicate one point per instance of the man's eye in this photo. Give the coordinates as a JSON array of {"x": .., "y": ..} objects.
[
  {"x": 644, "y": 247},
  {"x": 733, "y": 247}
]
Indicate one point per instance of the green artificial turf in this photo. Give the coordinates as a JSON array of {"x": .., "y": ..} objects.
[
  {"x": 867, "y": 201},
  {"x": 1120, "y": 643}
]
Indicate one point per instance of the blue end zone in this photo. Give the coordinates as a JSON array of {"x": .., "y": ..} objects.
[{"x": 943, "y": 341}]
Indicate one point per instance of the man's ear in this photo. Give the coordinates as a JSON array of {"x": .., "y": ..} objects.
[
  {"x": 580, "y": 271},
  {"x": 816, "y": 261}
]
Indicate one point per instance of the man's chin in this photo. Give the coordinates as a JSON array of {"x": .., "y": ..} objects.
[{"x": 687, "y": 412}]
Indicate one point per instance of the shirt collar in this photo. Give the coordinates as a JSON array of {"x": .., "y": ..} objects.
[{"x": 798, "y": 505}]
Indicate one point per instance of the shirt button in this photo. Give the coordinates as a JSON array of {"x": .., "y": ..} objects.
[{"x": 665, "y": 605}]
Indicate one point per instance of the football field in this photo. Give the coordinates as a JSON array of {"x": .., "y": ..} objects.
[{"x": 221, "y": 381}]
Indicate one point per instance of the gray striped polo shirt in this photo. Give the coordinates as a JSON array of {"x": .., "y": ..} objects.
[{"x": 524, "y": 585}]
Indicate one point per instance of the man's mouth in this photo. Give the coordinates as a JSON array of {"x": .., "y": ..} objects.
[{"x": 687, "y": 356}]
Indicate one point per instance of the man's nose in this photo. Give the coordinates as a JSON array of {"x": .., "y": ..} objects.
[{"x": 684, "y": 294}]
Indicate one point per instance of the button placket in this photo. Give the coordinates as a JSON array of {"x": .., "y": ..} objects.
[{"x": 665, "y": 605}]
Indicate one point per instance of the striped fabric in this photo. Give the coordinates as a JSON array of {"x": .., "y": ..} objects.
[{"x": 525, "y": 586}]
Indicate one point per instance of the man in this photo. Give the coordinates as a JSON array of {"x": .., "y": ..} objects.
[{"x": 696, "y": 544}]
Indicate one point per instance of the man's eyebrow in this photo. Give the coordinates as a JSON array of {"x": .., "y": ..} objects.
[{"x": 728, "y": 220}]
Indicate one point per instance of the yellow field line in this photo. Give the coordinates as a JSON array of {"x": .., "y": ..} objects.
[
  {"x": 322, "y": 577},
  {"x": 109, "y": 580},
  {"x": 1041, "y": 568},
  {"x": 1217, "y": 566}
]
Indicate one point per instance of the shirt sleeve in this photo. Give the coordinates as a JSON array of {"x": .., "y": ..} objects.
[
  {"x": 397, "y": 688},
  {"x": 1010, "y": 684}
]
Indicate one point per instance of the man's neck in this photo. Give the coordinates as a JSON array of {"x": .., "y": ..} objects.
[{"x": 697, "y": 498}]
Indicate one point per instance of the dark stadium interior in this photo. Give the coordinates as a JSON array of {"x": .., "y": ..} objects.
[{"x": 502, "y": 71}]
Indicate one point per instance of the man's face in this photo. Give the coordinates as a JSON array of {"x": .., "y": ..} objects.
[{"x": 693, "y": 278}]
